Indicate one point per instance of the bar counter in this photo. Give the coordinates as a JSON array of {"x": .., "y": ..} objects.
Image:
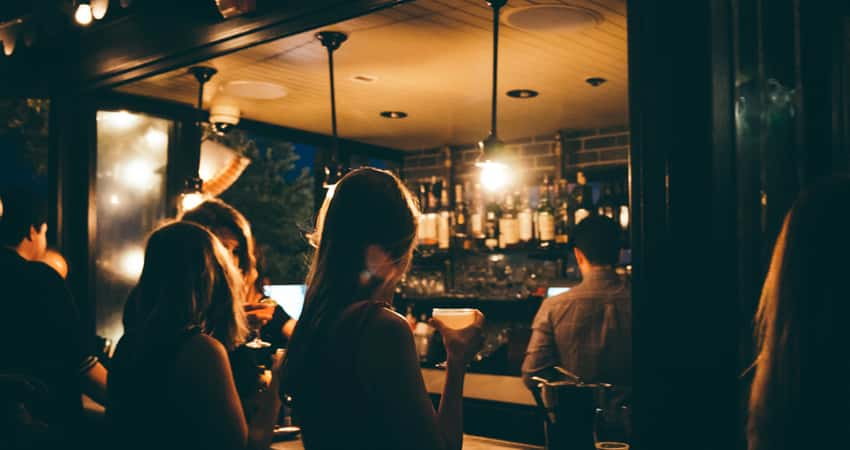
[{"x": 470, "y": 442}]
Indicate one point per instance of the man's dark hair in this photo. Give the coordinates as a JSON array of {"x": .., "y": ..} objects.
[
  {"x": 20, "y": 208},
  {"x": 598, "y": 237}
]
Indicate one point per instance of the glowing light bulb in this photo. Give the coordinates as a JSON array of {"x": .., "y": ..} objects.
[
  {"x": 114, "y": 200},
  {"x": 118, "y": 120},
  {"x": 83, "y": 15},
  {"x": 156, "y": 139},
  {"x": 131, "y": 262},
  {"x": 494, "y": 176},
  {"x": 139, "y": 175},
  {"x": 191, "y": 200}
]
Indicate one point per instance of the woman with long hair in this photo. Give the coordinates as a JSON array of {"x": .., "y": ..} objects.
[
  {"x": 170, "y": 382},
  {"x": 352, "y": 369},
  {"x": 234, "y": 231},
  {"x": 799, "y": 397}
]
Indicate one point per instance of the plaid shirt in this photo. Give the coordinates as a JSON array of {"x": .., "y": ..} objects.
[{"x": 587, "y": 330}]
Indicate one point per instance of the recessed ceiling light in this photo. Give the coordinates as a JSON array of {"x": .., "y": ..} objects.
[
  {"x": 522, "y": 93},
  {"x": 364, "y": 78},
  {"x": 254, "y": 90},
  {"x": 393, "y": 114},
  {"x": 552, "y": 18},
  {"x": 595, "y": 81}
]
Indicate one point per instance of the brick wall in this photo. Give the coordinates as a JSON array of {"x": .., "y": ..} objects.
[{"x": 530, "y": 158}]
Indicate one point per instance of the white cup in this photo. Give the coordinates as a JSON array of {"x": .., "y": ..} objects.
[{"x": 455, "y": 318}]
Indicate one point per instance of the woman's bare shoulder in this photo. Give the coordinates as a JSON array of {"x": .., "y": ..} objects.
[{"x": 201, "y": 350}]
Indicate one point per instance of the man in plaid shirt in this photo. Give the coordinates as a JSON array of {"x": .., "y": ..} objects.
[{"x": 587, "y": 330}]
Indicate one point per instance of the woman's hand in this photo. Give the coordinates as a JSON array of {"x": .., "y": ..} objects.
[
  {"x": 259, "y": 314},
  {"x": 461, "y": 345}
]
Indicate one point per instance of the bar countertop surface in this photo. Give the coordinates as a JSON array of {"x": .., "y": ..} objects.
[{"x": 470, "y": 442}]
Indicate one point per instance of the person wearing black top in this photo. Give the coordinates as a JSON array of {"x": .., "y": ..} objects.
[
  {"x": 42, "y": 338},
  {"x": 234, "y": 231}
]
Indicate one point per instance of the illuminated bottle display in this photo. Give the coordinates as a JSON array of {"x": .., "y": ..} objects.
[
  {"x": 491, "y": 224},
  {"x": 444, "y": 219},
  {"x": 461, "y": 220},
  {"x": 545, "y": 217},
  {"x": 430, "y": 234},
  {"x": 508, "y": 224},
  {"x": 477, "y": 216},
  {"x": 525, "y": 218},
  {"x": 562, "y": 216}
]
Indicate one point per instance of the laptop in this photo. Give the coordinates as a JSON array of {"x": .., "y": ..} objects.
[
  {"x": 290, "y": 297},
  {"x": 556, "y": 290}
]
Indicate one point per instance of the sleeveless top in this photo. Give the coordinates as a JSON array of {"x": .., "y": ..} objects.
[
  {"x": 333, "y": 409},
  {"x": 140, "y": 385}
]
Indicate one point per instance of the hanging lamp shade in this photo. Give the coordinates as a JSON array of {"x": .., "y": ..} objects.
[
  {"x": 494, "y": 173},
  {"x": 220, "y": 167}
]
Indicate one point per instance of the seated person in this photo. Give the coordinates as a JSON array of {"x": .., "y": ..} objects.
[
  {"x": 41, "y": 334},
  {"x": 588, "y": 329},
  {"x": 234, "y": 231},
  {"x": 352, "y": 368},
  {"x": 171, "y": 380},
  {"x": 56, "y": 261}
]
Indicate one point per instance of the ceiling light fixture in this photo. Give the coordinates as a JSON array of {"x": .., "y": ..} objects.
[
  {"x": 492, "y": 148},
  {"x": 522, "y": 93},
  {"x": 83, "y": 14},
  {"x": 333, "y": 169},
  {"x": 193, "y": 186},
  {"x": 393, "y": 114}
]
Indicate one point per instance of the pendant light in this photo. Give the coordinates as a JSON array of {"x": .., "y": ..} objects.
[
  {"x": 193, "y": 187},
  {"x": 333, "y": 170},
  {"x": 494, "y": 173}
]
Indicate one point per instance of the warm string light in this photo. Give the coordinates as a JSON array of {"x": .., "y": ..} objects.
[{"x": 83, "y": 14}]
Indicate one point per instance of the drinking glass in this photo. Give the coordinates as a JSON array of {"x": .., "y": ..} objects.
[
  {"x": 612, "y": 428},
  {"x": 256, "y": 326},
  {"x": 455, "y": 319}
]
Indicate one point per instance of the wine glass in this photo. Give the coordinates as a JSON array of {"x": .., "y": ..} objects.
[
  {"x": 612, "y": 428},
  {"x": 256, "y": 325}
]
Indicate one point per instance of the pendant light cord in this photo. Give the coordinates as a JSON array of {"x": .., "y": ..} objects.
[
  {"x": 496, "y": 6},
  {"x": 333, "y": 105}
]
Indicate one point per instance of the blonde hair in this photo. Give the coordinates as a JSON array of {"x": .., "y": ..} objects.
[
  {"x": 799, "y": 394},
  {"x": 188, "y": 280}
]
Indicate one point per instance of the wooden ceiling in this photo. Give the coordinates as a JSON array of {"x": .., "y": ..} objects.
[{"x": 431, "y": 59}]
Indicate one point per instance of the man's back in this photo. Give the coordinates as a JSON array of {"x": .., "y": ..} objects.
[
  {"x": 587, "y": 331},
  {"x": 40, "y": 334}
]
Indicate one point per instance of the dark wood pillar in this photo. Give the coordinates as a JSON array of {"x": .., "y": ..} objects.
[{"x": 684, "y": 216}]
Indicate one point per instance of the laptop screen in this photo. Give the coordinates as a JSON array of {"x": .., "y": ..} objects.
[
  {"x": 290, "y": 297},
  {"x": 556, "y": 290}
]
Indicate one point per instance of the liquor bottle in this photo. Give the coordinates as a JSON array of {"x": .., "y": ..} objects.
[
  {"x": 508, "y": 224},
  {"x": 422, "y": 197},
  {"x": 525, "y": 218},
  {"x": 606, "y": 206},
  {"x": 545, "y": 217},
  {"x": 430, "y": 238},
  {"x": 477, "y": 216},
  {"x": 562, "y": 216},
  {"x": 461, "y": 225},
  {"x": 582, "y": 198},
  {"x": 444, "y": 219},
  {"x": 491, "y": 224}
]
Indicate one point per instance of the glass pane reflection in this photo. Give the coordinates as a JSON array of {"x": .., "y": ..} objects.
[{"x": 132, "y": 155}]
